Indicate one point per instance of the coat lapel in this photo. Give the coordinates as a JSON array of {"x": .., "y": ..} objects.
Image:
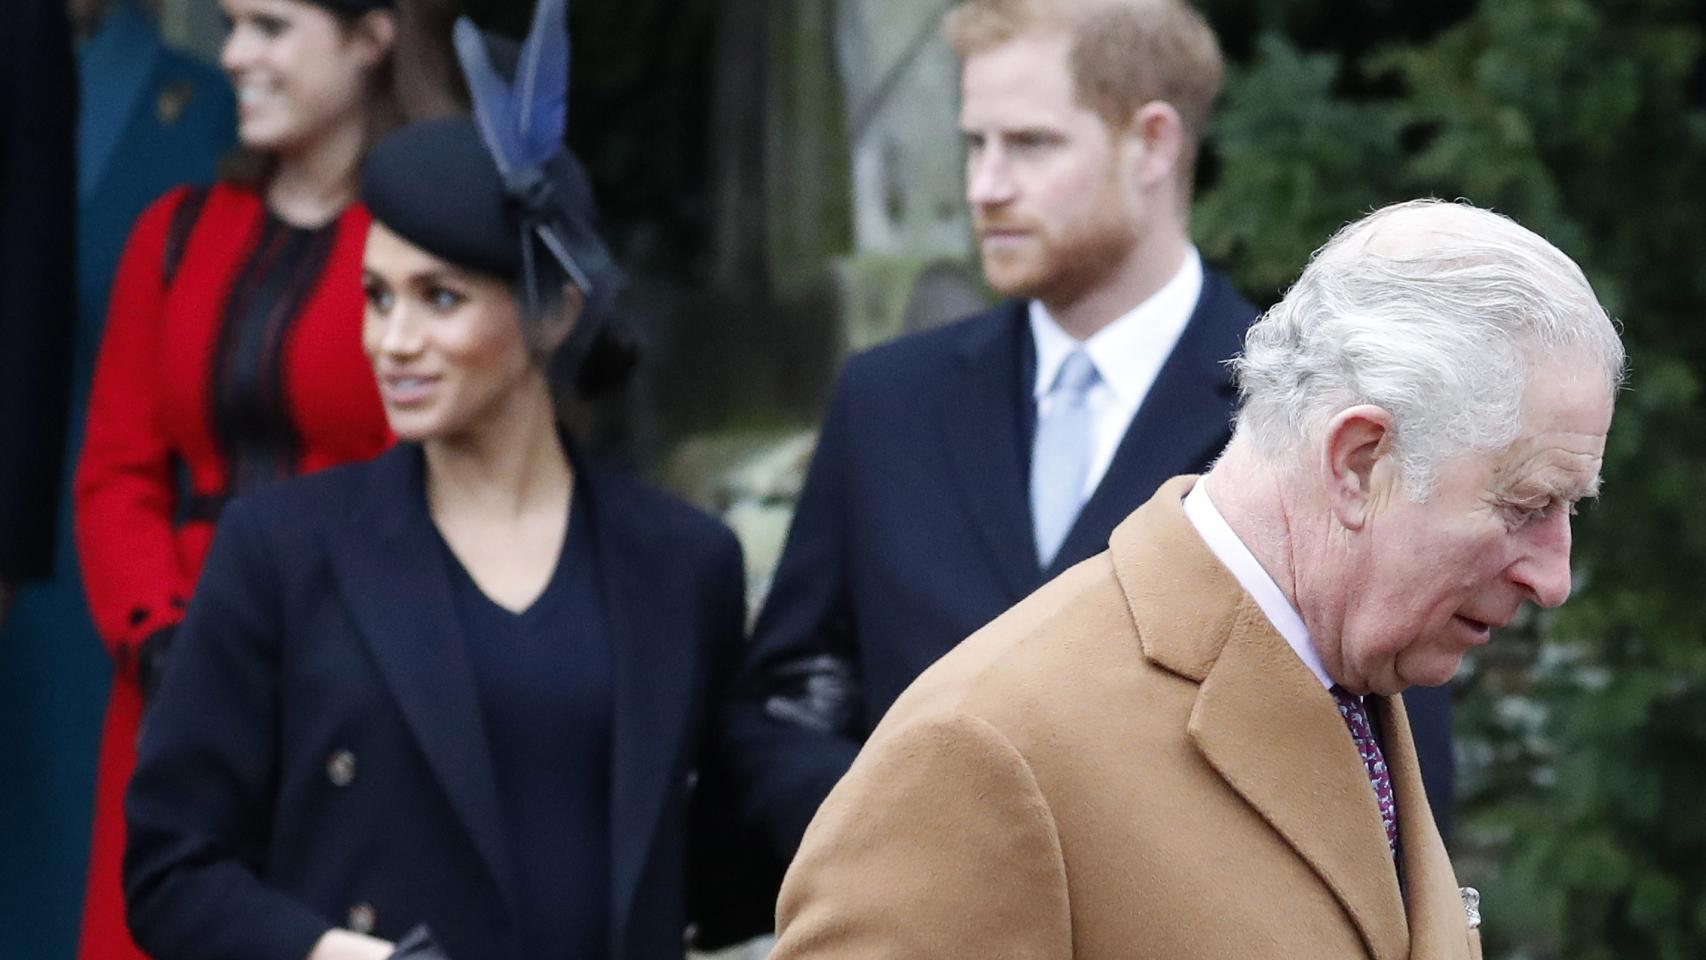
[
  {"x": 986, "y": 425},
  {"x": 1261, "y": 719},
  {"x": 1271, "y": 730},
  {"x": 388, "y": 565},
  {"x": 1181, "y": 424},
  {"x": 649, "y": 606},
  {"x": 1438, "y": 927}
]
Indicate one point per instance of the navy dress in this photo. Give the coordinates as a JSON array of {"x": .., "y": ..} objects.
[{"x": 543, "y": 680}]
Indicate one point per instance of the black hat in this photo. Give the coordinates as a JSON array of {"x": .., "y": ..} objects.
[
  {"x": 435, "y": 185},
  {"x": 498, "y": 192}
]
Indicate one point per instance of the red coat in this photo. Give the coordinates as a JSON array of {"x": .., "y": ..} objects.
[{"x": 253, "y": 309}]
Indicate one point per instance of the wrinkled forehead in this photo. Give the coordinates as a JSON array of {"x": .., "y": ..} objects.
[
  {"x": 1567, "y": 392},
  {"x": 1560, "y": 442}
]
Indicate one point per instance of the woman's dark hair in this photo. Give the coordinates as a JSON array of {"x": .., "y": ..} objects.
[
  {"x": 589, "y": 371},
  {"x": 598, "y": 357},
  {"x": 418, "y": 80},
  {"x": 607, "y": 364}
]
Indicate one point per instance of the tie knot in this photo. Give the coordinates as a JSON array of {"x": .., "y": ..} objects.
[
  {"x": 1076, "y": 376},
  {"x": 1347, "y": 700}
]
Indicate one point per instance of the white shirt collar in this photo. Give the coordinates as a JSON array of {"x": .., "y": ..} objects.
[
  {"x": 1128, "y": 352},
  {"x": 1236, "y": 557}
]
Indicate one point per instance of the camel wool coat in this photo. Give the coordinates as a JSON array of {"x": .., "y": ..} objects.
[{"x": 1130, "y": 763}]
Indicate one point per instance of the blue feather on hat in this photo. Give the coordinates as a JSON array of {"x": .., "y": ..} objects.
[{"x": 523, "y": 124}]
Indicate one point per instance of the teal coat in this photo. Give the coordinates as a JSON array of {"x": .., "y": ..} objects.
[{"x": 150, "y": 118}]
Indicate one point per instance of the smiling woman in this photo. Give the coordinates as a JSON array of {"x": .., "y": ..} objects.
[
  {"x": 452, "y": 701},
  {"x": 231, "y": 357},
  {"x": 301, "y": 73},
  {"x": 447, "y": 345}
]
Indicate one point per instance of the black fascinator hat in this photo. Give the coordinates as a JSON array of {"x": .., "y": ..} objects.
[{"x": 498, "y": 192}]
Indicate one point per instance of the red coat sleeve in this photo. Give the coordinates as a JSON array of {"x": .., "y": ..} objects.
[{"x": 124, "y": 493}]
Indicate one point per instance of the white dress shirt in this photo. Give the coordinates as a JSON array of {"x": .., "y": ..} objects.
[
  {"x": 1236, "y": 557},
  {"x": 1128, "y": 354}
]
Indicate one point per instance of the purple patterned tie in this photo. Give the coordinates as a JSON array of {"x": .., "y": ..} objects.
[{"x": 1362, "y": 734}]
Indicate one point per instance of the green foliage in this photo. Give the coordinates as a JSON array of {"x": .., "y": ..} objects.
[
  {"x": 1298, "y": 163},
  {"x": 1584, "y": 738}
]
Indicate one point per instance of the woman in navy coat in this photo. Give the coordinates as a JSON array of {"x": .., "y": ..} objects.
[{"x": 450, "y": 702}]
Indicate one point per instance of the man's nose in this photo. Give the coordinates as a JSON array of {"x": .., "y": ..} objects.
[
  {"x": 1544, "y": 569},
  {"x": 989, "y": 182}
]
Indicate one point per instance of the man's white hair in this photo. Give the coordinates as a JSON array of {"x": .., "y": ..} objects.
[{"x": 1436, "y": 312}]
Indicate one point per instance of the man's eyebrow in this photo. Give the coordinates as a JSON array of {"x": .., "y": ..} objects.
[
  {"x": 1558, "y": 489},
  {"x": 1567, "y": 490},
  {"x": 1592, "y": 489},
  {"x": 1027, "y": 130}
]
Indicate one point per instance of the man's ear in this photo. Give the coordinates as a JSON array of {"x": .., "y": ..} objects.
[
  {"x": 1157, "y": 135},
  {"x": 1354, "y": 443}
]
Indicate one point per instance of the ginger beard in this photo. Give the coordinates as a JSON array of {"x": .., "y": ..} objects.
[{"x": 1059, "y": 261}]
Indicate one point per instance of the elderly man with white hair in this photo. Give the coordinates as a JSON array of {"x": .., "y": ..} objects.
[{"x": 1190, "y": 745}]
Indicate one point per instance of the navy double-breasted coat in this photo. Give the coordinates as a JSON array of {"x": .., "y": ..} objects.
[{"x": 317, "y": 758}]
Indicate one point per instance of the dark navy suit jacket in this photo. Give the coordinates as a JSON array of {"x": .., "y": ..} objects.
[
  {"x": 914, "y": 530},
  {"x": 317, "y": 751}
]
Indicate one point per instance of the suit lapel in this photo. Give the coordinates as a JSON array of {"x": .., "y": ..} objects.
[
  {"x": 1438, "y": 928},
  {"x": 1181, "y": 424},
  {"x": 649, "y": 607},
  {"x": 387, "y": 563},
  {"x": 1261, "y": 720},
  {"x": 986, "y": 427}
]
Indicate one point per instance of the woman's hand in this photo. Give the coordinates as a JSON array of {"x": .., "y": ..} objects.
[{"x": 349, "y": 945}]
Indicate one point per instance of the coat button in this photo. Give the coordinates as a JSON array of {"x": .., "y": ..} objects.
[
  {"x": 690, "y": 781},
  {"x": 690, "y": 935},
  {"x": 340, "y": 768},
  {"x": 363, "y": 918}
]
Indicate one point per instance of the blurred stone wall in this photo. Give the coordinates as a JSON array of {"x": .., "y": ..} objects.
[{"x": 901, "y": 86}]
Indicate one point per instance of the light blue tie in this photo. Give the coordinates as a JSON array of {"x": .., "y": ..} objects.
[{"x": 1060, "y": 454}]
